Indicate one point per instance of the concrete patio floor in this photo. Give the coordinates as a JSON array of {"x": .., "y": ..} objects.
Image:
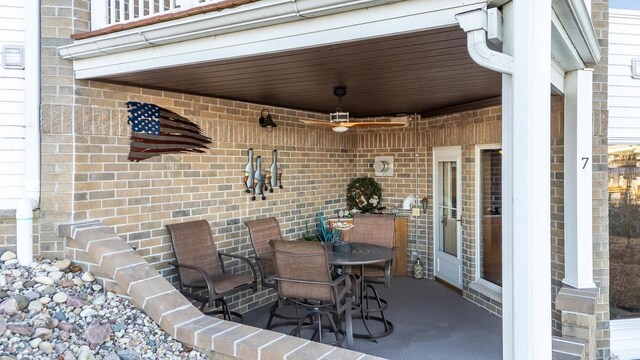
[{"x": 431, "y": 322}]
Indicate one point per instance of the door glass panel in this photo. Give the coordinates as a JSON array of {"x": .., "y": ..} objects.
[
  {"x": 448, "y": 178},
  {"x": 491, "y": 219}
]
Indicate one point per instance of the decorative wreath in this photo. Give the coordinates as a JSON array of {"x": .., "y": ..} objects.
[{"x": 365, "y": 195}]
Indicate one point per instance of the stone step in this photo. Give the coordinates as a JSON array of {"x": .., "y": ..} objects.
[{"x": 567, "y": 349}]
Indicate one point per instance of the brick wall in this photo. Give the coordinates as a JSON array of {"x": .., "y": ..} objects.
[
  {"x": 414, "y": 172},
  {"x": 600, "y": 18},
  {"x": 557, "y": 205},
  {"x": 139, "y": 199}
]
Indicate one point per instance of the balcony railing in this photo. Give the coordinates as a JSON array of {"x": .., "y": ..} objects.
[{"x": 111, "y": 12}]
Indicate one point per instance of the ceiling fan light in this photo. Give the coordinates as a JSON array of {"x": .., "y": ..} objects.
[{"x": 339, "y": 129}]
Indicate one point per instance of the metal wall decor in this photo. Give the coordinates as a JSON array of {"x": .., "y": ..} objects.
[
  {"x": 258, "y": 183},
  {"x": 248, "y": 172},
  {"x": 274, "y": 179},
  {"x": 259, "y": 180},
  {"x": 156, "y": 131}
]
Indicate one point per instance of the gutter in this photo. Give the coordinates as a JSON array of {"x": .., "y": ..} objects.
[
  {"x": 576, "y": 20},
  {"x": 250, "y": 16}
]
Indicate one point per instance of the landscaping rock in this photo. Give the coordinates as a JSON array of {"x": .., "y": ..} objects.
[
  {"x": 9, "y": 307},
  {"x": 22, "y": 301},
  {"x": 47, "y": 329},
  {"x": 42, "y": 321},
  {"x": 55, "y": 275},
  {"x": 75, "y": 301},
  {"x": 46, "y": 347},
  {"x": 97, "y": 333},
  {"x": 7, "y": 255},
  {"x": 42, "y": 333},
  {"x": 63, "y": 264},
  {"x": 87, "y": 277},
  {"x": 129, "y": 355},
  {"x": 60, "y": 297},
  {"x": 44, "y": 280},
  {"x": 31, "y": 295},
  {"x": 20, "y": 329},
  {"x": 35, "y": 307}
]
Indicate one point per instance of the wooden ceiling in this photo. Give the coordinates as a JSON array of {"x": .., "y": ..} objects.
[{"x": 410, "y": 73}]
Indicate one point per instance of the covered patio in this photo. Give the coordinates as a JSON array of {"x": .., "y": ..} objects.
[{"x": 427, "y": 58}]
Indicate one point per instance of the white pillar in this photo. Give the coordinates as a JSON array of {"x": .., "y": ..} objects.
[
  {"x": 578, "y": 135},
  {"x": 526, "y": 183}
]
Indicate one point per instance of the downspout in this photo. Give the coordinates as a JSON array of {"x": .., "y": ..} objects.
[
  {"x": 31, "y": 199},
  {"x": 474, "y": 23}
]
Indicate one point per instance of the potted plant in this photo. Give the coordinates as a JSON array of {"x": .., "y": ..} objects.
[
  {"x": 307, "y": 234},
  {"x": 331, "y": 236}
]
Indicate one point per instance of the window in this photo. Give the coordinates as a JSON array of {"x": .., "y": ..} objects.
[
  {"x": 624, "y": 230},
  {"x": 490, "y": 215}
]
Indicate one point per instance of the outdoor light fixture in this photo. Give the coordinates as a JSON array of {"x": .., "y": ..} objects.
[
  {"x": 339, "y": 129},
  {"x": 266, "y": 121}
]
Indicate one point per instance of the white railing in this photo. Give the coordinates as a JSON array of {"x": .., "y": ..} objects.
[{"x": 111, "y": 12}]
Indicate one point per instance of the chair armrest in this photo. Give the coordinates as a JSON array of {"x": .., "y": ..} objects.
[
  {"x": 346, "y": 279},
  {"x": 241, "y": 258},
  {"x": 200, "y": 270}
]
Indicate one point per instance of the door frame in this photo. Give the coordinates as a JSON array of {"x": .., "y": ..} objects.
[{"x": 447, "y": 153}]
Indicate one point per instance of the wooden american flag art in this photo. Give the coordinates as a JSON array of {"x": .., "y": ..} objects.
[{"x": 156, "y": 131}]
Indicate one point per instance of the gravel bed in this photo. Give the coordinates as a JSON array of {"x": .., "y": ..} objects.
[{"x": 52, "y": 310}]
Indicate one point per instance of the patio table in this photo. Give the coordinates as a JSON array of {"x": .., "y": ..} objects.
[{"x": 361, "y": 255}]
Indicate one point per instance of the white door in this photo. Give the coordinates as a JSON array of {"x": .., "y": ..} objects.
[{"x": 447, "y": 183}]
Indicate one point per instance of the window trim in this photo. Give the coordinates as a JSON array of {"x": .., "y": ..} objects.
[{"x": 478, "y": 177}]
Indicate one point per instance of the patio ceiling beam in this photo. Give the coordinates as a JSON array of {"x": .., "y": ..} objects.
[{"x": 147, "y": 49}]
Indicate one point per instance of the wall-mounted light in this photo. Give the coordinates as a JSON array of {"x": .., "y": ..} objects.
[
  {"x": 383, "y": 165},
  {"x": 266, "y": 121}
]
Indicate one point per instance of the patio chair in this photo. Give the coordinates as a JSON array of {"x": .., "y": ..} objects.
[
  {"x": 303, "y": 277},
  {"x": 377, "y": 229},
  {"x": 202, "y": 275},
  {"x": 260, "y": 232}
]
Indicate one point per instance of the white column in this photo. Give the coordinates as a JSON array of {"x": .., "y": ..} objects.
[
  {"x": 578, "y": 135},
  {"x": 526, "y": 184}
]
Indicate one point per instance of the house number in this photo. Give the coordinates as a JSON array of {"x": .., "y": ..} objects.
[{"x": 586, "y": 161}]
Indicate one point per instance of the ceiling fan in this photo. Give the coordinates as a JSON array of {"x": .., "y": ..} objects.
[{"x": 339, "y": 120}]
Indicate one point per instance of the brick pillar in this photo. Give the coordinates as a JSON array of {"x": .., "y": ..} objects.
[{"x": 578, "y": 309}]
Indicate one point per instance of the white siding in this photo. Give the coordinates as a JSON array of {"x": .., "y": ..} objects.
[
  {"x": 624, "y": 91},
  {"x": 12, "y": 108}
]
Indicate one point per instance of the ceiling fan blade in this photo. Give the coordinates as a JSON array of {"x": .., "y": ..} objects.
[{"x": 319, "y": 123}]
